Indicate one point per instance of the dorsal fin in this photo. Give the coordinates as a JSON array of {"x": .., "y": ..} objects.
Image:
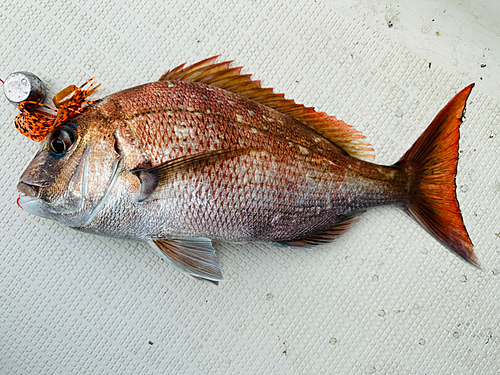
[{"x": 223, "y": 76}]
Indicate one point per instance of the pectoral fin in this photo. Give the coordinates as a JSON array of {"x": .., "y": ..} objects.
[
  {"x": 194, "y": 256},
  {"x": 152, "y": 179}
]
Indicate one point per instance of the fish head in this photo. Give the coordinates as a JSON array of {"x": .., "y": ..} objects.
[{"x": 72, "y": 174}]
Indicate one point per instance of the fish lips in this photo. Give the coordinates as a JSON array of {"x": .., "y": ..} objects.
[
  {"x": 30, "y": 197},
  {"x": 29, "y": 200}
]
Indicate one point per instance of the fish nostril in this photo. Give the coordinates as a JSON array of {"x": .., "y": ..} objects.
[{"x": 29, "y": 190}]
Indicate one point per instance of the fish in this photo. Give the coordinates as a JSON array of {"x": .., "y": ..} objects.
[{"x": 207, "y": 154}]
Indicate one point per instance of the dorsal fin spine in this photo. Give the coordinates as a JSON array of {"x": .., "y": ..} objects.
[
  {"x": 175, "y": 70},
  {"x": 217, "y": 70}
]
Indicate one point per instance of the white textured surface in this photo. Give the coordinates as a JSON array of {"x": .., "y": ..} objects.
[{"x": 384, "y": 299}]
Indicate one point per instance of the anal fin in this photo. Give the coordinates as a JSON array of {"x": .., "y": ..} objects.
[
  {"x": 194, "y": 256},
  {"x": 326, "y": 235}
]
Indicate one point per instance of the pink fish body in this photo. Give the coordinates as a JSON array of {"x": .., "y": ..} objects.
[{"x": 207, "y": 154}]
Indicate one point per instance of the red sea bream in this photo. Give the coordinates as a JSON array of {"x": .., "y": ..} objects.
[{"x": 207, "y": 154}]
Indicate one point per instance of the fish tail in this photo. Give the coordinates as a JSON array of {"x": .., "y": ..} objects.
[{"x": 431, "y": 167}]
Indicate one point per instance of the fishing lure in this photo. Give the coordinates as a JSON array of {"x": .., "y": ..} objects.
[{"x": 36, "y": 119}]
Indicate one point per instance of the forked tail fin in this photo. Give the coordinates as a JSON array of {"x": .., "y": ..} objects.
[{"x": 431, "y": 164}]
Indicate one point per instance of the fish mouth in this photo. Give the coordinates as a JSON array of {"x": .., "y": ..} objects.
[{"x": 29, "y": 195}]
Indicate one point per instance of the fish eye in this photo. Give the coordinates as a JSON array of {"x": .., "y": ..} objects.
[{"x": 60, "y": 140}]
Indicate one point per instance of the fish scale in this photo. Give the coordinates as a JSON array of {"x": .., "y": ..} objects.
[{"x": 207, "y": 154}]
